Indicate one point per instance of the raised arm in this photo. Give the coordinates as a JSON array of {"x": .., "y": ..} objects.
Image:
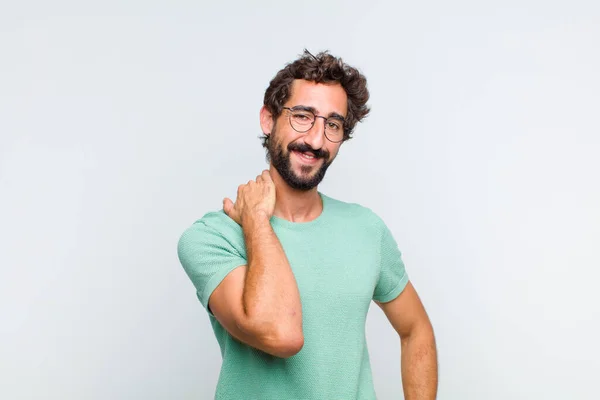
[{"x": 259, "y": 304}]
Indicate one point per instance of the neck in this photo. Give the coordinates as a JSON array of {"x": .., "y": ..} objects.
[{"x": 295, "y": 205}]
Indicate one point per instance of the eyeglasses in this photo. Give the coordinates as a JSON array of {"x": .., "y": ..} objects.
[{"x": 302, "y": 119}]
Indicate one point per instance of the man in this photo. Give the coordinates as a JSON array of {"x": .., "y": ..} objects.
[{"x": 287, "y": 273}]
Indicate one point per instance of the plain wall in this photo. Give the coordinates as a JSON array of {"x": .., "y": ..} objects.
[{"x": 121, "y": 123}]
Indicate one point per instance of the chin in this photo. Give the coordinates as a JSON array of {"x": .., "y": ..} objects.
[{"x": 302, "y": 175}]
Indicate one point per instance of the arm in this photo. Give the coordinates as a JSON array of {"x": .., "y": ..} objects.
[
  {"x": 419, "y": 357},
  {"x": 259, "y": 304}
]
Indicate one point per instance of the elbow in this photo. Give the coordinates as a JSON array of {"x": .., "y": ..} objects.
[
  {"x": 421, "y": 332},
  {"x": 275, "y": 340},
  {"x": 288, "y": 344},
  {"x": 283, "y": 343}
]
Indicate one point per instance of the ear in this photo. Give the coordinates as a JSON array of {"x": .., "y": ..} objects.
[{"x": 266, "y": 120}]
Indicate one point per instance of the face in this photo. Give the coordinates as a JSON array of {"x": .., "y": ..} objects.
[{"x": 303, "y": 158}]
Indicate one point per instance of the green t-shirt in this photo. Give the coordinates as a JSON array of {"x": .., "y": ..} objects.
[{"x": 341, "y": 261}]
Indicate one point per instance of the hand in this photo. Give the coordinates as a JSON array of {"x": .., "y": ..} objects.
[{"x": 254, "y": 199}]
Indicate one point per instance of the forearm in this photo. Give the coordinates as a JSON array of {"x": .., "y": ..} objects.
[
  {"x": 271, "y": 299},
  {"x": 419, "y": 365}
]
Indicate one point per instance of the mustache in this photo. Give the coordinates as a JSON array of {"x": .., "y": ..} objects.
[{"x": 304, "y": 148}]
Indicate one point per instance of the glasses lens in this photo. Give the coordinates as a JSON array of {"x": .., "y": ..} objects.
[
  {"x": 302, "y": 120},
  {"x": 334, "y": 130}
]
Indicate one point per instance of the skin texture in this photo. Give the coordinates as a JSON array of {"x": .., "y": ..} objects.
[
  {"x": 418, "y": 352},
  {"x": 293, "y": 204},
  {"x": 259, "y": 303}
]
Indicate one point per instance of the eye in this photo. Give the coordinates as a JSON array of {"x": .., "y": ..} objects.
[
  {"x": 302, "y": 117},
  {"x": 334, "y": 126}
]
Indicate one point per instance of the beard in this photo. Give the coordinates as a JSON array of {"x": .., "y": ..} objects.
[{"x": 281, "y": 160}]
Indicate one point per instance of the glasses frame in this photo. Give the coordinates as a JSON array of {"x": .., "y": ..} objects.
[{"x": 291, "y": 111}]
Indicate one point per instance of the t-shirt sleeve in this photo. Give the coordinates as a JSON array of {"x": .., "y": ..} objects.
[
  {"x": 392, "y": 277},
  {"x": 207, "y": 257}
]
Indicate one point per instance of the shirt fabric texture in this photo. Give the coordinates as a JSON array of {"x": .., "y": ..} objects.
[{"x": 341, "y": 260}]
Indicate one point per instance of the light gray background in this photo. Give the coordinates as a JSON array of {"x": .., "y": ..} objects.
[{"x": 123, "y": 122}]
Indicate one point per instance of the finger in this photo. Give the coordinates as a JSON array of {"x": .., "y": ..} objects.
[
  {"x": 266, "y": 175},
  {"x": 259, "y": 178},
  {"x": 227, "y": 206}
]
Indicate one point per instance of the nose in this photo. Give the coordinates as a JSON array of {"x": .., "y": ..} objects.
[{"x": 315, "y": 137}]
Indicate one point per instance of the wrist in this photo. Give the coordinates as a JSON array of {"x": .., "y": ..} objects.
[{"x": 255, "y": 218}]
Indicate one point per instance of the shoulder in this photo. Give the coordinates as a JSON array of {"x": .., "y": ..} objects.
[
  {"x": 354, "y": 212},
  {"x": 213, "y": 227}
]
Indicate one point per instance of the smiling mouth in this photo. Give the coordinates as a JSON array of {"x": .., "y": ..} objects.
[{"x": 306, "y": 157}]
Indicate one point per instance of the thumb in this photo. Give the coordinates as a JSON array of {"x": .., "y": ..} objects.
[{"x": 227, "y": 205}]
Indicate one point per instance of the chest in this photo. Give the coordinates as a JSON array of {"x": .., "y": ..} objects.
[{"x": 341, "y": 267}]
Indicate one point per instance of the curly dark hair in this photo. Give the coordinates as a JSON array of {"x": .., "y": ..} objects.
[{"x": 322, "y": 68}]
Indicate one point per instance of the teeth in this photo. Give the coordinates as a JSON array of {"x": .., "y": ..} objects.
[{"x": 305, "y": 155}]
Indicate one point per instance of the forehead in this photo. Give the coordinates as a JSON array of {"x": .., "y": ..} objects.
[{"x": 326, "y": 98}]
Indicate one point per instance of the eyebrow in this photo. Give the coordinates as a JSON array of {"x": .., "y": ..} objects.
[{"x": 314, "y": 111}]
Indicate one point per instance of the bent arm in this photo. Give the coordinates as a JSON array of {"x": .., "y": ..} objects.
[
  {"x": 271, "y": 298},
  {"x": 259, "y": 304},
  {"x": 419, "y": 356}
]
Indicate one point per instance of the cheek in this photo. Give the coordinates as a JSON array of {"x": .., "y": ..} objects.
[
  {"x": 333, "y": 151},
  {"x": 279, "y": 137}
]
